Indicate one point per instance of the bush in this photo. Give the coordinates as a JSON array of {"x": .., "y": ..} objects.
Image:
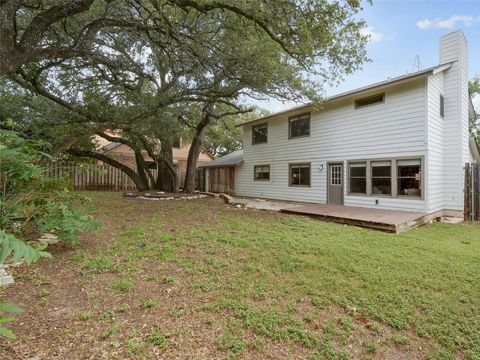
[{"x": 30, "y": 203}]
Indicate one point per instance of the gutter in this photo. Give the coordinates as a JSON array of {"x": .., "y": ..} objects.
[{"x": 404, "y": 78}]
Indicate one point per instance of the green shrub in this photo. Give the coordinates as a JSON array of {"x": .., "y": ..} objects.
[{"x": 30, "y": 201}]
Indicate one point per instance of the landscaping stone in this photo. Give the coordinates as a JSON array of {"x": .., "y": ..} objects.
[
  {"x": 5, "y": 277},
  {"x": 451, "y": 220},
  {"x": 48, "y": 238}
]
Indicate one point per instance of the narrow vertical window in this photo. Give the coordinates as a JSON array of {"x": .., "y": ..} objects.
[
  {"x": 381, "y": 177},
  {"x": 357, "y": 175},
  {"x": 442, "y": 106},
  {"x": 409, "y": 177}
]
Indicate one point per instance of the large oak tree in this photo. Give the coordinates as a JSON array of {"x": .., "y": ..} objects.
[{"x": 123, "y": 63}]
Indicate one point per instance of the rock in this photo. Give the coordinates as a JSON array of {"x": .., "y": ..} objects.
[
  {"x": 6, "y": 280},
  {"x": 228, "y": 199},
  {"x": 238, "y": 206},
  {"x": 451, "y": 220},
  {"x": 48, "y": 238},
  {"x": 160, "y": 192},
  {"x": 169, "y": 198}
]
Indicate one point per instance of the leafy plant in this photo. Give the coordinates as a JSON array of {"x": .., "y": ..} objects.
[
  {"x": 7, "y": 308},
  {"x": 31, "y": 203}
]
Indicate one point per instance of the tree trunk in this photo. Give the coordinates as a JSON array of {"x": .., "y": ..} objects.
[
  {"x": 139, "y": 183},
  {"x": 167, "y": 179},
  {"x": 194, "y": 153},
  {"x": 141, "y": 167}
]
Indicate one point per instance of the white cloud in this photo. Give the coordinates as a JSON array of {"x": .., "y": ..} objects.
[
  {"x": 373, "y": 35},
  {"x": 449, "y": 23}
]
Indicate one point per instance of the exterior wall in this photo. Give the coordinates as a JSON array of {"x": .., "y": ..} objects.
[
  {"x": 436, "y": 143},
  {"x": 453, "y": 47},
  {"x": 338, "y": 132}
]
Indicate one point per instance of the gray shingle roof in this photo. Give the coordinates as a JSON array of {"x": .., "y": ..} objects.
[
  {"x": 232, "y": 159},
  {"x": 389, "y": 81}
]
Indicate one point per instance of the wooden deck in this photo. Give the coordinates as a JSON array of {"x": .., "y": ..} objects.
[{"x": 385, "y": 220}]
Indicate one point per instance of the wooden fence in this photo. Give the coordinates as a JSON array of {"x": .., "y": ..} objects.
[
  {"x": 92, "y": 177},
  {"x": 472, "y": 192}
]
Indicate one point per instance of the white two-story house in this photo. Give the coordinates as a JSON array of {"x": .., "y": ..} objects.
[{"x": 400, "y": 144}]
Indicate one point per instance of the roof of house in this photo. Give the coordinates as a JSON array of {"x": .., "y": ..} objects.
[
  {"x": 390, "y": 81},
  {"x": 110, "y": 146},
  {"x": 232, "y": 159}
]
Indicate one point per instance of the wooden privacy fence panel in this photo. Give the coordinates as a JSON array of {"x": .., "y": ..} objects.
[
  {"x": 92, "y": 177},
  {"x": 200, "y": 179},
  {"x": 221, "y": 179},
  {"x": 472, "y": 192}
]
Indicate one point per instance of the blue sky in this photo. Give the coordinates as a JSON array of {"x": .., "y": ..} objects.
[{"x": 402, "y": 29}]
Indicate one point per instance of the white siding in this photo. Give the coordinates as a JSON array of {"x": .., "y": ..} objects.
[
  {"x": 340, "y": 133},
  {"x": 453, "y": 47},
  {"x": 435, "y": 134}
]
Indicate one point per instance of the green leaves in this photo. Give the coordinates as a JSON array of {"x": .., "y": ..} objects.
[
  {"x": 8, "y": 308},
  {"x": 19, "y": 250}
]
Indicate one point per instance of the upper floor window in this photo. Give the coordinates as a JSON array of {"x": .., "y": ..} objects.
[
  {"x": 259, "y": 134},
  {"x": 442, "y": 106},
  {"x": 370, "y": 100},
  {"x": 299, "y": 126}
]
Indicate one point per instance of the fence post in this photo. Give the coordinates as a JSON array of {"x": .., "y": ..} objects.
[
  {"x": 476, "y": 191},
  {"x": 467, "y": 191}
]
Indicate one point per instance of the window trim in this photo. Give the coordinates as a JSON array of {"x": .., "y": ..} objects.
[
  {"x": 262, "y": 165},
  {"x": 369, "y": 97},
  {"x": 394, "y": 180},
  {"x": 290, "y": 137},
  {"x": 381, "y": 177},
  {"x": 441, "y": 106},
  {"x": 422, "y": 171},
  {"x": 257, "y": 126},
  {"x": 358, "y": 177},
  {"x": 290, "y": 165}
]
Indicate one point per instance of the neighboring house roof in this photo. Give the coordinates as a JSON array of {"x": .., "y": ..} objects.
[
  {"x": 475, "y": 149},
  {"x": 391, "y": 81},
  {"x": 232, "y": 159},
  {"x": 109, "y": 146}
]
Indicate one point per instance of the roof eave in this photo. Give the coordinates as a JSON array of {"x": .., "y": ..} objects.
[{"x": 375, "y": 86}]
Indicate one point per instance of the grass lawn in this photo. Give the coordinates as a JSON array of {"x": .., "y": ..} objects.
[{"x": 199, "y": 279}]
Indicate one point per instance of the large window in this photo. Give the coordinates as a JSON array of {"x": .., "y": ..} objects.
[
  {"x": 357, "y": 173},
  {"x": 409, "y": 177},
  {"x": 299, "y": 126},
  {"x": 262, "y": 172},
  {"x": 259, "y": 134},
  {"x": 381, "y": 177},
  {"x": 300, "y": 175},
  {"x": 370, "y": 100}
]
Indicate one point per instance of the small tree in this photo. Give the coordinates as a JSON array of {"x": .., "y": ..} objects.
[{"x": 30, "y": 203}]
